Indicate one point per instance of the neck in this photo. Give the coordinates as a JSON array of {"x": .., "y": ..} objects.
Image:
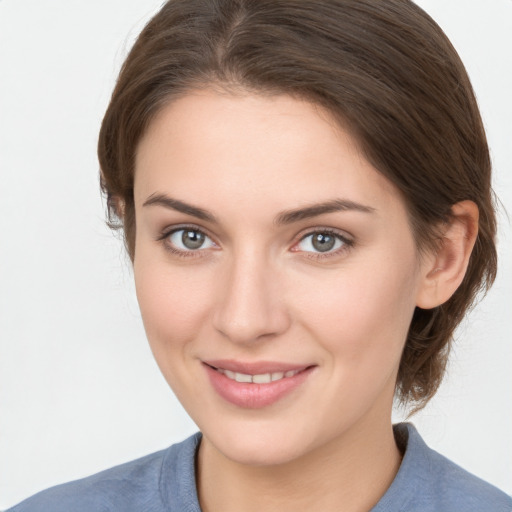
[{"x": 350, "y": 473}]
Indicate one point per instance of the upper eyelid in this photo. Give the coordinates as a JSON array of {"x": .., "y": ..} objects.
[
  {"x": 344, "y": 240},
  {"x": 172, "y": 229},
  {"x": 337, "y": 232},
  {"x": 165, "y": 234},
  {"x": 164, "y": 239}
]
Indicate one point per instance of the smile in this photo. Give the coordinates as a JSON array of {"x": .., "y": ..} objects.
[
  {"x": 262, "y": 378},
  {"x": 255, "y": 385}
]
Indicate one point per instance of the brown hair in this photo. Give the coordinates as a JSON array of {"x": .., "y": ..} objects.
[{"x": 383, "y": 68}]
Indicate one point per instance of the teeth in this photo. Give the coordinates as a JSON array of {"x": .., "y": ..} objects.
[
  {"x": 242, "y": 377},
  {"x": 263, "y": 378}
]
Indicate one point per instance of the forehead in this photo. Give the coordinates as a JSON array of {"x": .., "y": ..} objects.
[{"x": 247, "y": 148}]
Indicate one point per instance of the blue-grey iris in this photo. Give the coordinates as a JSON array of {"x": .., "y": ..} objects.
[
  {"x": 323, "y": 242},
  {"x": 192, "y": 239}
]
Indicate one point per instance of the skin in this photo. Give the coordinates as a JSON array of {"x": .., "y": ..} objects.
[{"x": 258, "y": 290}]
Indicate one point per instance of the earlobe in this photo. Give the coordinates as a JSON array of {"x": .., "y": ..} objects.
[
  {"x": 445, "y": 270},
  {"x": 117, "y": 205}
]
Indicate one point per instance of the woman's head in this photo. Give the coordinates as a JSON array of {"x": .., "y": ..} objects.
[{"x": 383, "y": 71}]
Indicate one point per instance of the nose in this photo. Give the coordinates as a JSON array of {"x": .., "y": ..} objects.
[{"x": 251, "y": 304}]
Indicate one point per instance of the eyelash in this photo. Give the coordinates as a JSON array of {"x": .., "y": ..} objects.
[
  {"x": 347, "y": 243},
  {"x": 164, "y": 239}
]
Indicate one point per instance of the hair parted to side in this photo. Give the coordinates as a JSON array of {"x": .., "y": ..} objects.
[{"x": 383, "y": 68}]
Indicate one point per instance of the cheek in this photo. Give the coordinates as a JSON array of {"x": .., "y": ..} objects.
[
  {"x": 173, "y": 303},
  {"x": 174, "y": 307},
  {"x": 361, "y": 315}
]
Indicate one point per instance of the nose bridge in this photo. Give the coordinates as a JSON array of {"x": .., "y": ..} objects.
[{"x": 249, "y": 305}]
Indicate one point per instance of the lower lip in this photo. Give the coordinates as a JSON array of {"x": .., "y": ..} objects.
[{"x": 254, "y": 396}]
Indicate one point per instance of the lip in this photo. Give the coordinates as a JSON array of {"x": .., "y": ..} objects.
[
  {"x": 250, "y": 395},
  {"x": 254, "y": 368}
]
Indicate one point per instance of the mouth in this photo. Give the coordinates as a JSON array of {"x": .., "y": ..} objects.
[
  {"x": 259, "y": 378},
  {"x": 255, "y": 385}
]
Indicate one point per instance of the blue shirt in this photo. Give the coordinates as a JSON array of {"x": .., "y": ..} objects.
[{"x": 165, "y": 482}]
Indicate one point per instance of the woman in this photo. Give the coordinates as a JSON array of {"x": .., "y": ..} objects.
[{"x": 304, "y": 189}]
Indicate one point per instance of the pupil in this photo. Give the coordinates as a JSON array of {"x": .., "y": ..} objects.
[
  {"x": 323, "y": 242},
  {"x": 192, "y": 239}
]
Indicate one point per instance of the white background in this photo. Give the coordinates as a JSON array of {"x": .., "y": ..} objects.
[{"x": 79, "y": 391}]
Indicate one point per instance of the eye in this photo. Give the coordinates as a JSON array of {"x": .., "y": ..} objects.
[
  {"x": 323, "y": 242},
  {"x": 188, "y": 239}
]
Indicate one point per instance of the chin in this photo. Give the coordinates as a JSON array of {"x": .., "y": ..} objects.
[
  {"x": 261, "y": 453},
  {"x": 257, "y": 444}
]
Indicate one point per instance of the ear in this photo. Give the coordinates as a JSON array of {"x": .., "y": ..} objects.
[
  {"x": 444, "y": 270},
  {"x": 117, "y": 205}
]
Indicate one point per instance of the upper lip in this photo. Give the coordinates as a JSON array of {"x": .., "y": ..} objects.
[{"x": 255, "y": 368}]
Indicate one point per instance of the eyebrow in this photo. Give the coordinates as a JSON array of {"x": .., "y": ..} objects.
[
  {"x": 335, "y": 205},
  {"x": 180, "y": 206},
  {"x": 285, "y": 217}
]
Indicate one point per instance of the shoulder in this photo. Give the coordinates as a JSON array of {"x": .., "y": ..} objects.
[
  {"x": 133, "y": 486},
  {"x": 457, "y": 486},
  {"x": 117, "y": 488},
  {"x": 434, "y": 483}
]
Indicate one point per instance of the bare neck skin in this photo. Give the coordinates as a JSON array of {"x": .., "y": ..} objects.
[{"x": 350, "y": 474}]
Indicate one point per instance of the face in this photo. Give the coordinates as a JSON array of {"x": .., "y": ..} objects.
[{"x": 275, "y": 270}]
